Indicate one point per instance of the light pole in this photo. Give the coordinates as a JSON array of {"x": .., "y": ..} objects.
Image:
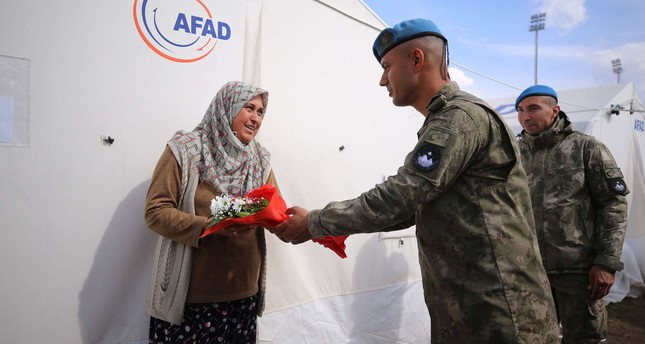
[
  {"x": 617, "y": 67},
  {"x": 537, "y": 24}
]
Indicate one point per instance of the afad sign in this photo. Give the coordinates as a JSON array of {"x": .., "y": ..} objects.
[{"x": 179, "y": 30}]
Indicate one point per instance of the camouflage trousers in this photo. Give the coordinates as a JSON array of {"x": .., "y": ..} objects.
[{"x": 583, "y": 321}]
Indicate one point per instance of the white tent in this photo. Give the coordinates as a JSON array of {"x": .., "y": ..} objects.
[
  {"x": 614, "y": 115},
  {"x": 74, "y": 75}
]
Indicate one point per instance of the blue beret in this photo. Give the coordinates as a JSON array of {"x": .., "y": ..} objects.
[
  {"x": 403, "y": 32},
  {"x": 536, "y": 90}
]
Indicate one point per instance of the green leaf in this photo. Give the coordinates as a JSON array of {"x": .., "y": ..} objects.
[{"x": 213, "y": 222}]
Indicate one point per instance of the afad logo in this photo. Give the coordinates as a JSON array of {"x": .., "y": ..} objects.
[{"x": 180, "y": 31}]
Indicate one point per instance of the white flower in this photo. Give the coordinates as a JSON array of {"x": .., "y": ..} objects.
[
  {"x": 220, "y": 205},
  {"x": 238, "y": 203},
  {"x": 226, "y": 206}
]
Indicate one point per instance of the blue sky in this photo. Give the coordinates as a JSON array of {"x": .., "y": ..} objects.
[{"x": 492, "y": 38}]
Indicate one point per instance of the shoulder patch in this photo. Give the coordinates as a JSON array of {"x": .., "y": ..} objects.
[
  {"x": 427, "y": 158},
  {"x": 618, "y": 186}
]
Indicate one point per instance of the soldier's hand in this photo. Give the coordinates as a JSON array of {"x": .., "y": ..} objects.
[
  {"x": 294, "y": 230},
  {"x": 600, "y": 281}
]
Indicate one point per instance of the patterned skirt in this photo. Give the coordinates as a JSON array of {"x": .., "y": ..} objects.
[{"x": 230, "y": 322}]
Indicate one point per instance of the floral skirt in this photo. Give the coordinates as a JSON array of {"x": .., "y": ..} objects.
[{"x": 230, "y": 322}]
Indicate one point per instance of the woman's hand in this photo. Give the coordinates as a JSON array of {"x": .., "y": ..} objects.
[
  {"x": 236, "y": 230},
  {"x": 231, "y": 231}
]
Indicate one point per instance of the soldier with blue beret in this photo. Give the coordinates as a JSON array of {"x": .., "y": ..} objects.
[
  {"x": 463, "y": 187},
  {"x": 408, "y": 30},
  {"x": 578, "y": 198}
]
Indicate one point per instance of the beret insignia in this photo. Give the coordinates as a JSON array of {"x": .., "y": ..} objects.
[{"x": 386, "y": 40}]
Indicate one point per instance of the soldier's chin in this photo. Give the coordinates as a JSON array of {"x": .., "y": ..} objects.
[{"x": 398, "y": 102}]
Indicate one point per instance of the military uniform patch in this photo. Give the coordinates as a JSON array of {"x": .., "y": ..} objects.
[
  {"x": 618, "y": 186},
  {"x": 427, "y": 158}
]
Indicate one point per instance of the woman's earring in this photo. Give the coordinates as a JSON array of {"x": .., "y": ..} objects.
[{"x": 235, "y": 133}]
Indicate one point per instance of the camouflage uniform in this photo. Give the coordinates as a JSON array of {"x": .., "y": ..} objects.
[
  {"x": 466, "y": 191},
  {"x": 580, "y": 210}
]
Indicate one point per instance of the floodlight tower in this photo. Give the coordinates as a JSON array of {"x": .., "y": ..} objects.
[
  {"x": 537, "y": 24},
  {"x": 617, "y": 67}
]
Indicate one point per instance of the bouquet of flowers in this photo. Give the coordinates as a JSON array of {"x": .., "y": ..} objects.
[
  {"x": 223, "y": 207},
  {"x": 261, "y": 207}
]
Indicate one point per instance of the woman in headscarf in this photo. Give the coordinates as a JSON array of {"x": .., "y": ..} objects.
[{"x": 209, "y": 289}]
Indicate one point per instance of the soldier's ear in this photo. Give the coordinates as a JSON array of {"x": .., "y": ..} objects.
[{"x": 418, "y": 59}]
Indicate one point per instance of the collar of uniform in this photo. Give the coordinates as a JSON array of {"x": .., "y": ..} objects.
[{"x": 440, "y": 99}]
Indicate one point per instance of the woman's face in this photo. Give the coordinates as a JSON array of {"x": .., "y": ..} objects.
[{"x": 248, "y": 120}]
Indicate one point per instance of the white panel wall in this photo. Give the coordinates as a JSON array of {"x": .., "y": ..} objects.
[{"x": 74, "y": 258}]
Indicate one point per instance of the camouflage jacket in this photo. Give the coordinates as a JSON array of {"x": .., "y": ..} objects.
[
  {"x": 578, "y": 197},
  {"x": 465, "y": 189}
]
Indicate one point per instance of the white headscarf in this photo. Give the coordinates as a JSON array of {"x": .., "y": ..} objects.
[{"x": 219, "y": 156}]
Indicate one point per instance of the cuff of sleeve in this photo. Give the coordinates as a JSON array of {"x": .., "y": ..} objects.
[
  {"x": 610, "y": 264},
  {"x": 313, "y": 222},
  {"x": 199, "y": 229}
]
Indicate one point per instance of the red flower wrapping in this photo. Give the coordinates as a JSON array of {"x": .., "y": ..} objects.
[{"x": 273, "y": 215}]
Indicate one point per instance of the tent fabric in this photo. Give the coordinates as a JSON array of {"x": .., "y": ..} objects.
[
  {"x": 384, "y": 316},
  {"x": 313, "y": 114},
  {"x": 629, "y": 282}
]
